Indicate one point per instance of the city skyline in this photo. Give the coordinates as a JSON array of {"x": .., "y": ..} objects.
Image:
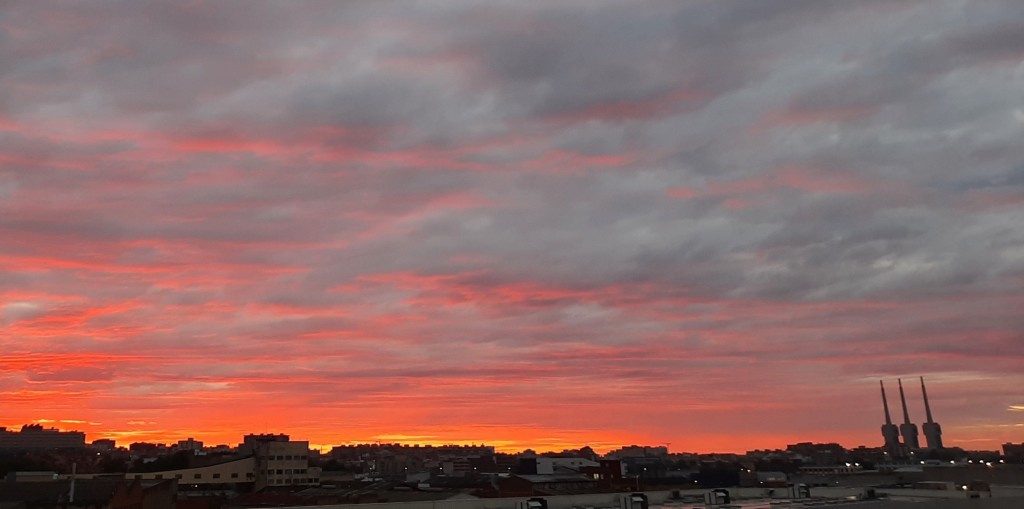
[
  {"x": 713, "y": 224},
  {"x": 891, "y": 442},
  {"x": 37, "y": 436}
]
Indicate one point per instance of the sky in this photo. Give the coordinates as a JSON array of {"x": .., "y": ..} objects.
[{"x": 708, "y": 224}]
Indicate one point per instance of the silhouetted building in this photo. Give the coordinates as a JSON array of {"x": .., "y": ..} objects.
[
  {"x": 34, "y": 436},
  {"x": 525, "y": 485},
  {"x": 147, "y": 450},
  {"x": 86, "y": 494},
  {"x": 890, "y": 432},
  {"x": 608, "y": 473},
  {"x": 907, "y": 429},
  {"x": 189, "y": 445},
  {"x": 819, "y": 454},
  {"x": 1014, "y": 452},
  {"x": 932, "y": 430},
  {"x": 104, "y": 444},
  {"x": 145, "y": 495},
  {"x": 638, "y": 451}
]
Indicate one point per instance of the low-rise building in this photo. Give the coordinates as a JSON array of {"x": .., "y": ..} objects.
[
  {"x": 229, "y": 472},
  {"x": 527, "y": 485}
]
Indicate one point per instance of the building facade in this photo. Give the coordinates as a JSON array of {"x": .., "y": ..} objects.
[
  {"x": 266, "y": 460},
  {"x": 279, "y": 461}
]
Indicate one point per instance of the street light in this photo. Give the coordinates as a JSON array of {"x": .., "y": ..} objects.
[{"x": 644, "y": 473}]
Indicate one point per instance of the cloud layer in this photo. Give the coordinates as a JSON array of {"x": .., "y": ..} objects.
[{"x": 709, "y": 223}]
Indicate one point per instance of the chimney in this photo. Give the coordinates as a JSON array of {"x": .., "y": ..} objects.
[
  {"x": 885, "y": 404},
  {"x": 907, "y": 429},
  {"x": 932, "y": 430},
  {"x": 890, "y": 432}
]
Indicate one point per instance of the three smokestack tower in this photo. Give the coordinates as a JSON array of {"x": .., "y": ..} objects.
[{"x": 891, "y": 434}]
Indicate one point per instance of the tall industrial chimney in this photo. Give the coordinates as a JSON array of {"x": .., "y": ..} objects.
[
  {"x": 889, "y": 431},
  {"x": 932, "y": 430},
  {"x": 907, "y": 429}
]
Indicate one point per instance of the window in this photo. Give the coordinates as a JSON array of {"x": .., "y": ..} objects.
[
  {"x": 178, "y": 476},
  {"x": 159, "y": 476},
  {"x": 234, "y": 475},
  {"x": 216, "y": 476},
  {"x": 197, "y": 476}
]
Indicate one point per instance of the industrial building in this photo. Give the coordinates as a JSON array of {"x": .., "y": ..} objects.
[{"x": 908, "y": 430}]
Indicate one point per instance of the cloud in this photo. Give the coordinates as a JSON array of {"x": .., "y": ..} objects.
[
  {"x": 80, "y": 374},
  {"x": 469, "y": 220}
]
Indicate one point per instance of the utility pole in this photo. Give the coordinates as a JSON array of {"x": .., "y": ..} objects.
[{"x": 71, "y": 492}]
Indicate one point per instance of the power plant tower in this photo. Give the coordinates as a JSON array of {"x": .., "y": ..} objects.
[
  {"x": 907, "y": 429},
  {"x": 889, "y": 431},
  {"x": 932, "y": 430}
]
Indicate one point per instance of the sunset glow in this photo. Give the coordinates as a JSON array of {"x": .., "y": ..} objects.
[{"x": 709, "y": 224}]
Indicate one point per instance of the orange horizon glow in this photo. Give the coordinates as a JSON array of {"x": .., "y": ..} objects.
[{"x": 512, "y": 440}]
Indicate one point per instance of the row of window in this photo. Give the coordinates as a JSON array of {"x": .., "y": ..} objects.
[
  {"x": 215, "y": 475},
  {"x": 287, "y": 457},
  {"x": 282, "y": 471},
  {"x": 293, "y": 481},
  {"x": 249, "y": 476}
]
